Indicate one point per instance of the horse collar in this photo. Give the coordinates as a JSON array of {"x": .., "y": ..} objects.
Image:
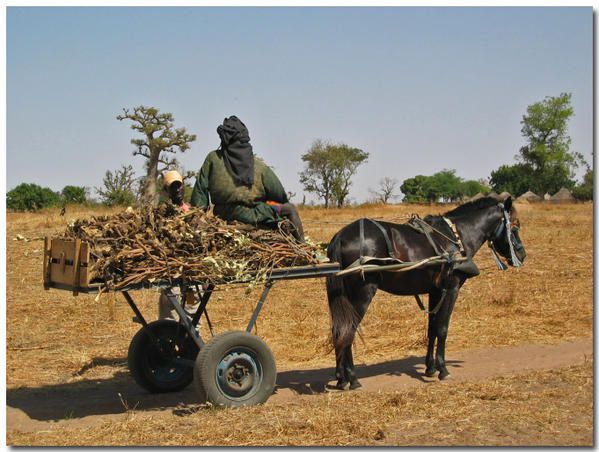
[{"x": 454, "y": 229}]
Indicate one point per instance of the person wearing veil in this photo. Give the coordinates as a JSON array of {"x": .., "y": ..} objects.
[{"x": 241, "y": 186}]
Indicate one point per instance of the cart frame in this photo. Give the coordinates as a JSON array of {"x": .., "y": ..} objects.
[{"x": 222, "y": 365}]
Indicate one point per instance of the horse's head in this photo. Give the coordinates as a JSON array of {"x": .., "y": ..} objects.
[{"x": 505, "y": 240}]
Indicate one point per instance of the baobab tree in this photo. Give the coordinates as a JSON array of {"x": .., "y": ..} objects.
[{"x": 160, "y": 138}]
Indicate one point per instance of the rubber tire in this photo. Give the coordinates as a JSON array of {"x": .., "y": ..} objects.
[
  {"x": 142, "y": 351},
  {"x": 209, "y": 358}
]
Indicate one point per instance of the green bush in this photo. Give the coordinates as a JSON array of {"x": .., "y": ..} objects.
[
  {"x": 31, "y": 197},
  {"x": 584, "y": 191},
  {"x": 72, "y": 194}
]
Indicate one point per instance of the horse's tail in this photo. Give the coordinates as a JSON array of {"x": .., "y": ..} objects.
[{"x": 344, "y": 319}]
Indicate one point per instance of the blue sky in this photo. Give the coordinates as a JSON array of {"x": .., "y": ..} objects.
[{"x": 420, "y": 89}]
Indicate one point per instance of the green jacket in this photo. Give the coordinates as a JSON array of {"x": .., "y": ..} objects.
[{"x": 238, "y": 202}]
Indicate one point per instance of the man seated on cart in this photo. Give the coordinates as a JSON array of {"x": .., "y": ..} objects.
[{"x": 241, "y": 186}]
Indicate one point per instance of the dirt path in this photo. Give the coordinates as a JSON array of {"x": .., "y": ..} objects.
[{"x": 90, "y": 402}]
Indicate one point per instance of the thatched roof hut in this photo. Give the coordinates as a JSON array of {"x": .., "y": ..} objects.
[
  {"x": 505, "y": 195},
  {"x": 477, "y": 196},
  {"x": 529, "y": 196},
  {"x": 563, "y": 195}
]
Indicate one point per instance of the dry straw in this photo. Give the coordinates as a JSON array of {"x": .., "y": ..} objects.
[{"x": 135, "y": 247}]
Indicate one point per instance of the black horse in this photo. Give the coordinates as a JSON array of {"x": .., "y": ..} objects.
[{"x": 456, "y": 236}]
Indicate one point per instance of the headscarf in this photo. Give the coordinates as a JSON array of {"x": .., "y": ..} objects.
[{"x": 237, "y": 150}]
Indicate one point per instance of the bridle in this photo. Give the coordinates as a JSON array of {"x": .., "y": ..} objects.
[{"x": 506, "y": 227}]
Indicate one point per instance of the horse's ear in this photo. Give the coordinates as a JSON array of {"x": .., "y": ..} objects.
[{"x": 508, "y": 203}]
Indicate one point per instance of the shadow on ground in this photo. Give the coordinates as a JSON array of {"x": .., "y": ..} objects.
[{"x": 120, "y": 393}]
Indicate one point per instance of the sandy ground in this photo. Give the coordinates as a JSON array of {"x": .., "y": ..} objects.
[{"x": 90, "y": 403}]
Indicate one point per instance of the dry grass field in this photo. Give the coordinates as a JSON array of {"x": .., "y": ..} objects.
[{"x": 63, "y": 348}]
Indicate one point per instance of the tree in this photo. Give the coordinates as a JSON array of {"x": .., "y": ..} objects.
[
  {"x": 547, "y": 152},
  {"x": 386, "y": 190},
  {"x": 414, "y": 189},
  {"x": 72, "y": 194},
  {"x": 159, "y": 138},
  {"x": 515, "y": 179},
  {"x": 118, "y": 187},
  {"x": 444, "y": 186},
  {"x": 473, "y": 187},
  {"x": 584, "y": 190},
  {"x": 31, "y": 197},
  {"x": 329, "y": 170}
]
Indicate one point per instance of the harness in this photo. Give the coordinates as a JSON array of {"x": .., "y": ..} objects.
[
  {"x": 422, "y": 226},
  {"x": 447, "y": 260},
  {"x": 425, "y": 228},
  {"x": 450, "y": 262},
  {"x": 505, "y": 227},
  {"x": 390, "y": 250}
]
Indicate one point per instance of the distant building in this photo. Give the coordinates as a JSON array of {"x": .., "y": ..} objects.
[
  {"x": 530, "y": 197},
  {"x": 564, "y": 195}
]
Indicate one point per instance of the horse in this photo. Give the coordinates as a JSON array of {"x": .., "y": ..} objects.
[{"x": 454, "y": 238}]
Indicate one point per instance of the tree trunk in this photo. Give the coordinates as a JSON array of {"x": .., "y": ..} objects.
[{"x": 150, "y": 196}]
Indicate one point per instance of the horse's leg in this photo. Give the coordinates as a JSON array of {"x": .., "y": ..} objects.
[
  {"x": 362, "y": 296},
  {"x": 442, "y": 326},
  {"x": 349, "y": 370},
  {"x": 359, "y": 294},
  {"x": 433, "y": 300},
  {"x": 342, "y": 381}
]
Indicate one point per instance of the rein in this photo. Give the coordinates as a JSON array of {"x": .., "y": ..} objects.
[{"x": 506, "y": 225}]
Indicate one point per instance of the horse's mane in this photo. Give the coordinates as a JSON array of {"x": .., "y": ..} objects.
[{"x": 473, "y": 206}]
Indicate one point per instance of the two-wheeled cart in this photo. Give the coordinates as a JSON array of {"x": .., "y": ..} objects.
[{"x": 231, "y": 369}]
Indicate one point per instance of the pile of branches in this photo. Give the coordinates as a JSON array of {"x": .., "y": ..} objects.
[{"x": 144, "y": 246}]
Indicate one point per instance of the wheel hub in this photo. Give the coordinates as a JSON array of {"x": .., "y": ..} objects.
[
  {"x": 238, "y": 374},
  {"x": 163, "y": 359}
]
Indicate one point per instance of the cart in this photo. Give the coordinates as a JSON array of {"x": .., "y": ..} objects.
[{"x": 232, "y": 369}]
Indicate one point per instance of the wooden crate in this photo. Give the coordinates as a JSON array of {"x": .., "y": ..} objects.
[{"x": 66, "y": 264}]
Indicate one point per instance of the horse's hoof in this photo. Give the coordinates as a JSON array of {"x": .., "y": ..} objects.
[
  {"x": 430, "y": 372},
  {"x": 339, "y": 386},
  {"x": 444, "y": 376},
  {"x": 355, "y": 385}
]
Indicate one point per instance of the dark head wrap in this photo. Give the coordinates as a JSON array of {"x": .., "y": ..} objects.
[{"x": 237, "y": 150}]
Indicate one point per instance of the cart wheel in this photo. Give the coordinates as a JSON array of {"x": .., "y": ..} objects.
[
  {"x": 154, "y": 366},
  {"x": 234, "y": 369}
]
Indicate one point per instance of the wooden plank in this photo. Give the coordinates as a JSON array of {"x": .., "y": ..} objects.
[
  {"x": 84, "y": 270},
  {"x": 47, "y": 255},
  {"x": 76, "y": 266}
]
